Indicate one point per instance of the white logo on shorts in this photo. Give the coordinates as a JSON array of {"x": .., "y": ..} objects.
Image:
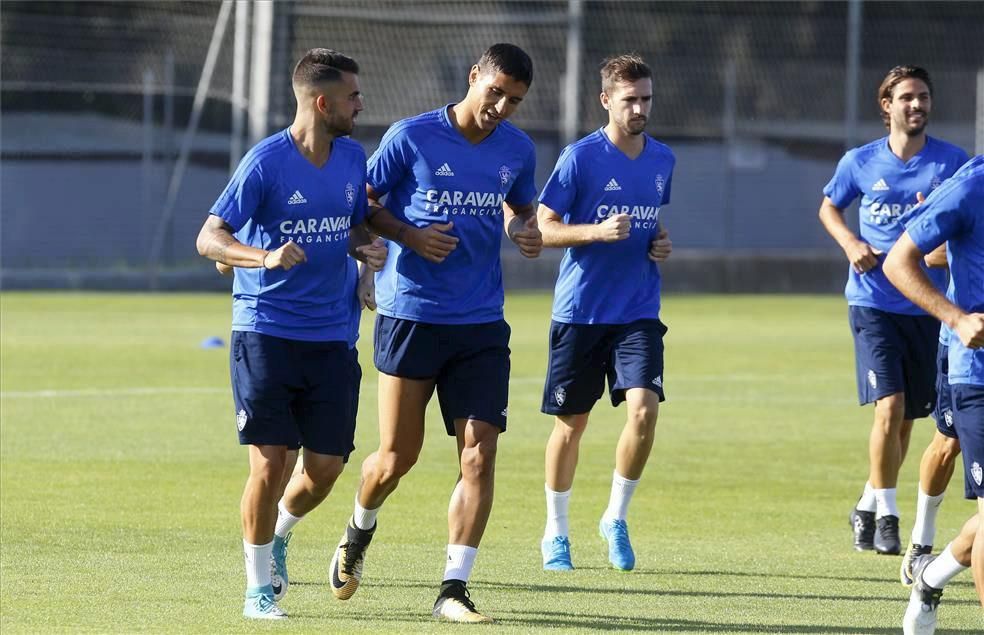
[
  {"x": 948, "y": 418},
  {"x": 241, "y": 420},
  {"x": 658, "y": 381},
  {"x": 976, "y": 472},
  {"x": 873, "y": 379},
  {"x": 560, "y": 395},
  {"x": 505, "y": 412}
]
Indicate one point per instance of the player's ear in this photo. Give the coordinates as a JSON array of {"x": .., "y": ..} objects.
[
  {"x": 473, "y": 75},
  {"x": 321, "y": 103},
  {"x": 604, "y": 100}
]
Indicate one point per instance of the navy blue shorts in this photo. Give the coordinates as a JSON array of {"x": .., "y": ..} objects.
[
  {"x": 469, "y": 363},
  {"x": 583, "y": 355},
  {"x": 295, "y": 393},
  {"x": 944, "y": 407},
  {"x": 968, "y": 419},
  {"x": 896, "y": 353}
]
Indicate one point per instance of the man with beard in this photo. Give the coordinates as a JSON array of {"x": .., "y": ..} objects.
[
  {"x": 455, "y": 177},
  {"x": 602, "y": 204},
  {"x": 895, "y": 341},
  {"x": 287, "y": 222}
]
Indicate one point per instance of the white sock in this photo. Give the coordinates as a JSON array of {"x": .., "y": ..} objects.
[
  {"x": 557, "y": 504},
  {"x": 257, "y": 564},
  {"x": 924, "y": 531},
  {"x": 285, "y": 520},
  {"x": 867, "y": 501},
  {"x": 362, "y": 517},
  {"x": 886, "y": 503},
  {"x": 618, "y": 502},
  {"x": 942, "y": 570},
  {"x": 461, "y": 559}
]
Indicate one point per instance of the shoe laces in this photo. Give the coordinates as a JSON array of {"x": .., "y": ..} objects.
[
  {"x": 619, "y": 534},
  {"x": 353, "y": 554},
  {"x": 460, "y": 593},
  {"x": 888, "y": 524},
  {"x": 266, "y": 604}
]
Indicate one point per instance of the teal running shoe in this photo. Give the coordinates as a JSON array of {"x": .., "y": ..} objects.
[
  {"x": 260, "y": 604},
  {"x": 278, "y": 567},
  {"x": 556, "y": 554},
  {"x": 620, "y": 553}
]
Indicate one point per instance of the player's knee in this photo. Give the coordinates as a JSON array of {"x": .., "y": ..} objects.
[
  {"x": 393, "y": 465},
  {"x": 324, "y": 474},
  {"x": 890, "y": 411},
  {"x": 643, "y": 418},
  {"x": 478, "y": 462},
  {"x": 945, "y": 451},
  {"x": 269, "y": 470}
]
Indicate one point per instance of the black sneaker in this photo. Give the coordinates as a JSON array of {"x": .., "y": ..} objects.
[
  {"x": 345, "y": 569},
  {"x": 914, "y": 551},
  {"x": 924, "y": 600},
  {"x": 454, "y": 605},
  {"x": 887, "y": 536},
  {"x": 864, "y": 529}
]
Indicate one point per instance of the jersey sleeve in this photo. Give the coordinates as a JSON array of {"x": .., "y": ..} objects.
[
  {"x": 561, "y": 189},
  {"x": 943, "y": 216},
  {"x": 391, "y": 161},
  {"x": 842, "y": 188},
  {"x": 523, "y": 190},
  {"x": 243, "y": 195},
  {"x": 360, "y": 210}
]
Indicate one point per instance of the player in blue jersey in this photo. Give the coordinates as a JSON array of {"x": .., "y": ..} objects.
[
  {"x": 953, "y": 215},
  {"x": 287, "y": 222},
  {"x": 894, "y": 340},
  {"x": 602, "y": 204},
  {"x": 454, "y": 177}
]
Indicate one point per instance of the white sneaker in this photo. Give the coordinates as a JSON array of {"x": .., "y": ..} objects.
[{"x": 924, "y": 600}]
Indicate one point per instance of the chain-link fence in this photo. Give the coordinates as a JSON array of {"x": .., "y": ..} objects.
[{"x": 754, "y": 97}]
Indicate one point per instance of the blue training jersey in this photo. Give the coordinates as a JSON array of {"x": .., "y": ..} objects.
[
  {"x": 432, "y": 174},
  {"x": 609, "y": 283},
  {"x": 887, "y": 187},
  {"x": 276, "y": 195},
  {"x": 954, "y": 214}
]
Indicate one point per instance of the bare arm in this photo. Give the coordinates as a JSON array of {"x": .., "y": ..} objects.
[
  {"x": 366, "y": 249},
  {"x": 216, "y": 242},
  {"x": 860, "y": 254},
  {"x": 902, "y": 270},
  {"x": 557, "y": 233},
  {"x": 521, "y": 226},
  {"x": 937, "y": 257},
  {"x": 431, "y": 243}
]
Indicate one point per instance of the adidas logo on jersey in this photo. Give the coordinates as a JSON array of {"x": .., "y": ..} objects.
[
  {"x": 296, "y": 198},
  {"x": 880, "y": 186},
  {"x": 444, "y": 170},
  {"x": 613, "y": 186}
]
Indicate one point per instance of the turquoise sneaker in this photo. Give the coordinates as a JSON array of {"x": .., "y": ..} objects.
[
  {"x": 278, "y": 567},
  {"x": 620, "y": 553},
  {"x": 260, "y": 604},
  {"x": 556, "y": 554}
]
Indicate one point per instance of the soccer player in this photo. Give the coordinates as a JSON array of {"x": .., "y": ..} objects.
[
  {"x": 287, "y": 222},
  {"x": 455, "y": 177},
  {"x": 954, "y": 215},
  {"x": 894, "y": 340},
  {"x": 602, "y": 204}
]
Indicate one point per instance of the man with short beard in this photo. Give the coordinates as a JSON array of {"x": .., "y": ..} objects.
[
  {"x": 287, "y": 222},
  {"x": 895, "y": 341},
  {"x": 602, "y": 204}
]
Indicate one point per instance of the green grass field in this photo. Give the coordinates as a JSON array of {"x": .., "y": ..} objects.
[{"x": 121, "y": 477}]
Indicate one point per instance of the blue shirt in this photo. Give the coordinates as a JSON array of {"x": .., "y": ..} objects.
[
  {"x": 432, "y": 174},
  {"x": 954, "y": 214},
  {"x": 276, "y": 195},
  {"x": 609, "y": 283},
  {"x": 887, "y": 187}
]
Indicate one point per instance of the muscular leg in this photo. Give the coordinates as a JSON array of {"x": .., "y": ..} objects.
[
  {"x": 290, "y": 463},
  {"x": 636, "y": 440},
  {"x": 885, "y": 444},
  {"x": 402, "y": 403},
  {"x": 471, "y": 500},
  {"x": 311, "y": 486},
  {"x": 977, "y": 553},
  {"x": 562, "y": 451},
  {"x": 937, "y": 463},
  {"x": 258, "y": 506}
]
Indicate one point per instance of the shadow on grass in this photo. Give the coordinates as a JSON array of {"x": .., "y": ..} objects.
[{"x": 791, "y": 576}]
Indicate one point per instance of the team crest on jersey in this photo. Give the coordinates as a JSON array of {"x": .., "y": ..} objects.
[
  {"x": 935, "y": 183},
  {"x": 350, "y": 194},
  {"x": 560, "y": 395},
  {"x": 660, "y": 184},
  {"x": 948, "y": 418},
  {"x": 505, "y": 175},
  {"x": 241, "y": 420},
  {"x": 873, "y": 379},
  {"x": 977, "y": 472}
]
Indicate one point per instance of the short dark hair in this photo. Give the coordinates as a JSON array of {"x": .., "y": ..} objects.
[
  {"x": 508, "y": 59},
  {"x": 896, "y": 76},
  {"x": 622, "y": 68},
  {"x": 322, "y": 65}
]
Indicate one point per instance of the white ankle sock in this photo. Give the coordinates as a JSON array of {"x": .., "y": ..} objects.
[
  {"x": 362, "y": 517},
  {"x": 285, "y": 520},
  {"x": 618, "y": 501},
  {"x": 924, "y": 530},
  {"x": 867, "y": 501},
  {"x": 557, "y": 517},
  {"x": 461, "y": 559},
  {"x": 887, "y": 506},
  {"x": 942, "y": 570},
  {"x": 257, "y": 564}
]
